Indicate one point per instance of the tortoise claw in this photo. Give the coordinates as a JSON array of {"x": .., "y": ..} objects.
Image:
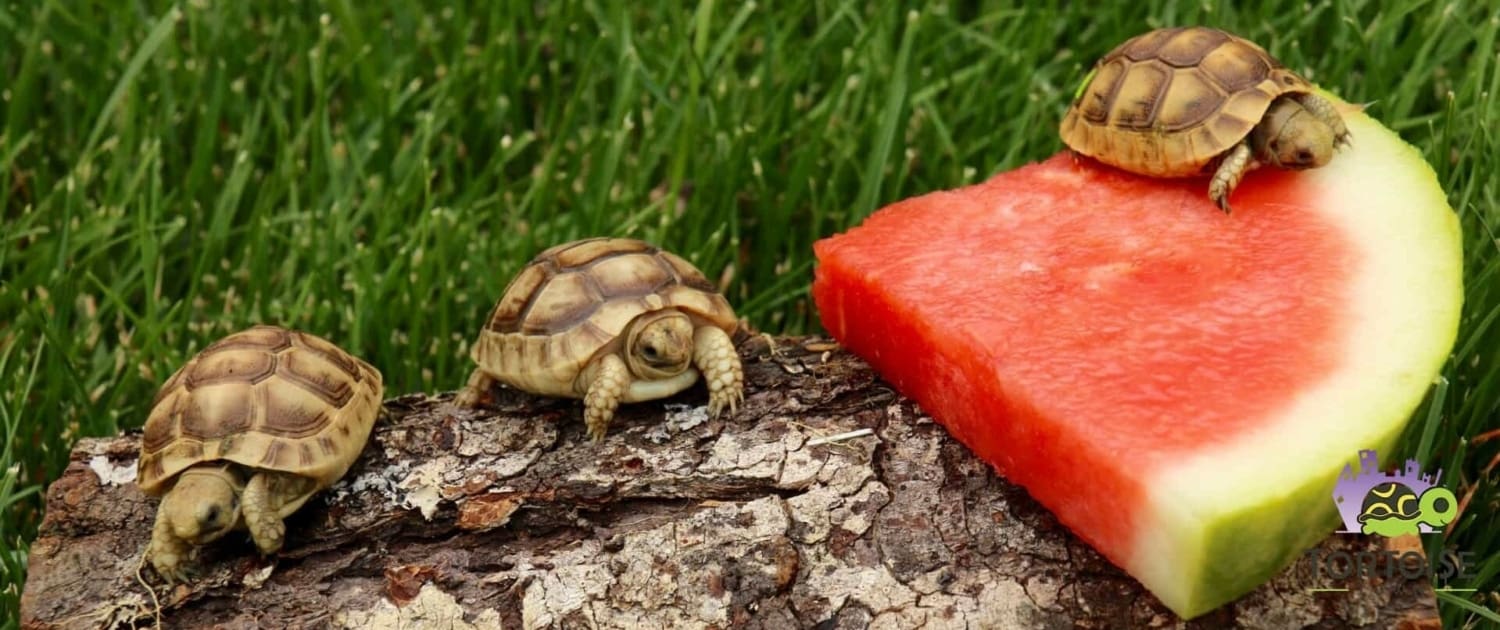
[
  {"x": 597, "y": 433},
  {"x": 180, "y": 574},
  {"x": 727, "y": 400}
]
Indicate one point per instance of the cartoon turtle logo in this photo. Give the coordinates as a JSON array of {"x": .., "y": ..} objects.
[
  {"x": 1392, "y": 504},
  {"x": 1393, "y": 509}
]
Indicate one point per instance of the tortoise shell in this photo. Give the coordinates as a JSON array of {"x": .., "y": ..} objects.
[
  {"x": 265, "y": 398},
  {"x": 571, "y": 302},
  {"x": 1390, "y": 500},
  {"x": 1169, "y": 102}
]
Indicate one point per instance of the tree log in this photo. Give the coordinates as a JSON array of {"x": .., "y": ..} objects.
[{"x": 509, "y": 517}]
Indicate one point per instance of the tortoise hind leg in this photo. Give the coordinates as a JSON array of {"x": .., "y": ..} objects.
[
  {"x": 1227, "y": 177},
  {"x": 715, "y": 357},
  {"x": 475, "y": 391},
  {"x": 1325, "y": 112},
  {"x": 267, "y": 498}
]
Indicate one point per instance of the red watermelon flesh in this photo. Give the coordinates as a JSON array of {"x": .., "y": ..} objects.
[{"x": 1180, "y": 387}]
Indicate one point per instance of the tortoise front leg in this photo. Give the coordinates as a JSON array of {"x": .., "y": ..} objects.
[
  {"x": 610, "y": 381},
  {"x": 1326, "y": 112},
  {"x": 266, "y": 498},
  {"x": 169, "y": 555},
  {"x": 1234, "y": 166},
  {"x": 715, "y": 357}
]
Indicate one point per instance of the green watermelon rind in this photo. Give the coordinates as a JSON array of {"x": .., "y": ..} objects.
[{"x": 1262, "y": 514}]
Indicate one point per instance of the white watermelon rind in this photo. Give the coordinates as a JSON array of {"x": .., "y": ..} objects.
[{"x": 1222, "y": 522}]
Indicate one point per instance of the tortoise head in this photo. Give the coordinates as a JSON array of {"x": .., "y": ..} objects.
[
  {"x": 203, "y": 505},
  {"x": 659, "y": 344},
  {"x": 1292, "y": 137}
]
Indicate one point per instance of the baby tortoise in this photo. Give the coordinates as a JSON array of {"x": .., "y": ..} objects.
[
  {"x": 1184, "y": 102},
  {"x": 609, "y": 320},
  {"x": 244, "y": 433}
]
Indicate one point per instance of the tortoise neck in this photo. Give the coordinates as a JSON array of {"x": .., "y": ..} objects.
[{"x": 228, "y": 472}]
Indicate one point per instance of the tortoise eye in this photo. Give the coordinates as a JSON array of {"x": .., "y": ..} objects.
[
  {"x": 1304, "y": 156},
  {"x": 649, "y": 352},
  {"x": 212, "y": 516}
]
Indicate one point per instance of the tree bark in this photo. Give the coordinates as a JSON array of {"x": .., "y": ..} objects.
[{"x": 509, "y": 517}]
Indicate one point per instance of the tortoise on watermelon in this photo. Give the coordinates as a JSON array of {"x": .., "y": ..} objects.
[
  {"x": 1057, "y": 316},
  {"x": 1185, "y": 102},
  {"x": 609, "y": 320},
  {"x": 244, "y": 433}
]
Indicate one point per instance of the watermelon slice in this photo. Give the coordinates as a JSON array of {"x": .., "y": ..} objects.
[{"x": 1180, "y": 387}]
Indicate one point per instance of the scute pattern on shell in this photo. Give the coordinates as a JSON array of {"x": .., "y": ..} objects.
[
  {"x": 265, "y": 397},
  {"x": 567, "y": 284},
  {"x": 575, "y": 299},
  {"x": 1170, "y": 101}
]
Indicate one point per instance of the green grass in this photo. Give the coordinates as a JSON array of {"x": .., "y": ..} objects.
[{"x": 377, "y": 175}]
